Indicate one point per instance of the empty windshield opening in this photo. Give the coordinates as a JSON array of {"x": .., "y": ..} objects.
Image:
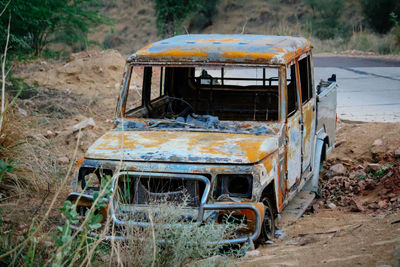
[{"x": 227, "y": 93}]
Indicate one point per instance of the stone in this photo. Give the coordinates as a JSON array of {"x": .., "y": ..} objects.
[
  {"x": 374, "y": 167},
  {"x": 331, "y": 205},
  {"x": 49, "y": 134},
  {"x": 84, "y": 124},
  {"x": 346, "y": 184},
  {"x": 63, "y": 160},
  {"x": 252, "y": 253},
  {"x": 373, "y": 206},
  {"x": 23, "y": 112},
  {"x": 382, "y": 204},
  {"x": 336, "y": 170},
  {"x": 377, "y": 142},
  {"x": 357, "y": 174},
  {"x": 397, "y": 153},
  {"x": 361, "y": 184}
]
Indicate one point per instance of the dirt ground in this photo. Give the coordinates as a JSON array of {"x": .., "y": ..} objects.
[
  {"x": 334, "y": 238},
  {"x": 65, "y": 94},
  {"x": 338, "y": 236}
]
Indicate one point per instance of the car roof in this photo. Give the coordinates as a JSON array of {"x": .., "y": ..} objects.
[{"x": 224, "y": 48}]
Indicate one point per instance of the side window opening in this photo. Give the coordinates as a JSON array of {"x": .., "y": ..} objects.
[
  {"x": 291, "y": 90},
  {"x": 157, "y": 82},
  {"x": 135, "y": 90},
  {"x": 305, "y": 79}
]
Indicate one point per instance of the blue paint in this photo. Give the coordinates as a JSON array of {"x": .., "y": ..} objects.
[
  {"x": 215, "y": 44},
  {"x": 194, "y": 121}
]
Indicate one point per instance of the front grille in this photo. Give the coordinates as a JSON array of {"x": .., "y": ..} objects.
[{"x": 133, "y": 189}]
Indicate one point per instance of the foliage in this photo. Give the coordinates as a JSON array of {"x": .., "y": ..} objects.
[
  {"x": 36, "y": 23},
  {"x": 205, "y": 16},
  {"x": 5, "y": 167},
  {"x": 396, "y": 29},
  {"x": 325, "y": 21},
  {"x": 172, "y": 13},
  {"x": 168, "y": 241},
  {"x": 377, "y": 13}
]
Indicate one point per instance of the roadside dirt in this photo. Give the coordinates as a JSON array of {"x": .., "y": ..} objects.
[{"x": 87, "y": 87}]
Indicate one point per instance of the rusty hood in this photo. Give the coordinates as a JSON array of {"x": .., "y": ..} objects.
[{"x": 183, "y": 146}]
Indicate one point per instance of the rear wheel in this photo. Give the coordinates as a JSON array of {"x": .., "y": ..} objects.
[{"x": 268, "y": 225}]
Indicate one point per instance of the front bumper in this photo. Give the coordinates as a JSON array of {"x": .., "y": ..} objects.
[{"x": 254, "y": 211}]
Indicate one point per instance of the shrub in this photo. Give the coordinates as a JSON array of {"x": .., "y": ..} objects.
[
  {"x": 377, "y": 13},
  {"x": 325, "y": 22},
  {"x": 171, "y": 14}
]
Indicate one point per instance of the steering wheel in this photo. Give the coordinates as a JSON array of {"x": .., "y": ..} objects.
[{"x": 175, "y": 104}]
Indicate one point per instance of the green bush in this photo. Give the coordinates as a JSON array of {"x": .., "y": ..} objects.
[
  {"x": 36, "y": 23},
  {"x": 172, "y": 13},
  {"x": 325, "y": 22},
  {"x": 377, "y": 13}
]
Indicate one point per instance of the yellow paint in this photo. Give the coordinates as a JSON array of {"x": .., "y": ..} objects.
[
  {"x": 241, "y": 54},
  {"x": 173, "y": 53},
  {"x": 79, "y": 162},
  {"x": 213, "y": 144},
  {"x": 225, "y": 40}
]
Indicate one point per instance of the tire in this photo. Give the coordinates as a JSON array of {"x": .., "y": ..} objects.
[{"x": 268, "y": 225}]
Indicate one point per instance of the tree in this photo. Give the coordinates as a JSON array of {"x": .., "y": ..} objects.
[
  {"x": 326, "y": 15},
  {"x": 172, "y": 13},
  {"x": 377, "y": 13},
  {"x": 36, "y": 23}
]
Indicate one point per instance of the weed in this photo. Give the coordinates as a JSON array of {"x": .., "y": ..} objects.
[{"x": 5, "y": 167}]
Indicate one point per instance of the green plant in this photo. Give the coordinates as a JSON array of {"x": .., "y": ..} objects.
[
  {"x": 5, "y": 167},
  {"x": 396, "y": 29},
  {"x": 171, "y": 14},
  {"x": 37, "y": 23},
  {"x": 325, "y": 22},
  {"x": 377, "y": 13}
]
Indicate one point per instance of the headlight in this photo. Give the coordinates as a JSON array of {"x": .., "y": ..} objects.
[
  {"x": 234, "y": 185},
  {"x": 92, "y": 175}
]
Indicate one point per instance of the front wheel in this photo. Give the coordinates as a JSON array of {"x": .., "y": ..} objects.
[{"x": 268, "y": 225}]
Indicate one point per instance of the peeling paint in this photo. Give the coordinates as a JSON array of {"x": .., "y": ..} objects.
[{"x": 236, "y": 48}]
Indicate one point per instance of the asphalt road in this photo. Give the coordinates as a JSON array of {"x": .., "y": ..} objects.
[{"x": 369, "y": 88}]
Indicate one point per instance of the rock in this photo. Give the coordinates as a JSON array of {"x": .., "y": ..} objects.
[
  {"x": 357, "y": 174},
  {"x": 397, "y": 153},
  {"x": 336, "y": 170},
  {"x": 331, "y": 205},
  {"x": 84, "y": 124},
  {"x": 373, "y": 206},
  {"x": 377, "y": 142},
  {"x": 49, "y": 134},
  {"x": 252, "y": 253},
  {"x": 63, "y": 160},
  {"x": 356, "y": 206},
  {"x": 23, "y": 112},
  {"x": 361, "y": 184},
  {"x": 373, "y": 167},
  {"x": 382, "y": 204}
]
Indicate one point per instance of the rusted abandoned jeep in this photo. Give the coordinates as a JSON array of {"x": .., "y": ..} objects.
[{"x": 233, "y": 121}]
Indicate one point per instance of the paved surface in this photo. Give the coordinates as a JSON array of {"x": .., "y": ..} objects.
[{"x": 369, "y": 88}]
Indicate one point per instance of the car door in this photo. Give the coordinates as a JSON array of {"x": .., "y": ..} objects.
[
  {"x": 293, "y": 128},
  {"x": 308, "y": 111}
]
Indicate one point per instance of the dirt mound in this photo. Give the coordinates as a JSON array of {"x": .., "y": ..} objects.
[
  {"x": 363, "y": 143},
  {"x": 91, "y": 73},
  {"x": 374, "y": 192},
  {"x": 363, "y": 172}
]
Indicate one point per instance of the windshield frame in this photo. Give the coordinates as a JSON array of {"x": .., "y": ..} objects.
[{"x": 122, "y": 101}]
